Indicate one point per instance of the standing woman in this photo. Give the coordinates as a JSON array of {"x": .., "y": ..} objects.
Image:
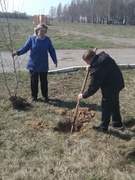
[{"x": 38, "y": 66}]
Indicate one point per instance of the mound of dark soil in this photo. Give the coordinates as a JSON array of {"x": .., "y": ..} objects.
[{"x": 19, "y": 103}]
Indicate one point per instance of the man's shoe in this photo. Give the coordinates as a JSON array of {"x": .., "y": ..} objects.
[
  {"x": 121, "y": 128},
  {"x": 100, "y": 129}
]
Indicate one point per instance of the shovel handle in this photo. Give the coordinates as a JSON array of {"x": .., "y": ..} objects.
[
  {"x": 86, "y": 76},
  {"x": 74, "y": 123}
]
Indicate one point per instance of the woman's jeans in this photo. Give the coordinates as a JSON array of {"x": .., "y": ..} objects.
[{"x": 34, "y": 78}]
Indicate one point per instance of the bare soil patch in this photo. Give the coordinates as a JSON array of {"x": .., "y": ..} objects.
[
  {"x": 84, "y": 115},
  {"x": 36, "y": 124}
]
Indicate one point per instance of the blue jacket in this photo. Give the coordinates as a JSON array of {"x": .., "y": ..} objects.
[{"x": 38, "y": 59}]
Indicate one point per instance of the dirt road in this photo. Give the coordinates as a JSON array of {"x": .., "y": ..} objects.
[{"x": 69, "y": 58}]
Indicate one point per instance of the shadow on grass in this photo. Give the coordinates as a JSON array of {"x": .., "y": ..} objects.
[
  {"x": 123, "y": 135},
  {"x": 120, "y": 135},
  {"x": 72, "y": 104},
  {"x": 65, "y": 127},
  {"x": 130, "y": 123}
]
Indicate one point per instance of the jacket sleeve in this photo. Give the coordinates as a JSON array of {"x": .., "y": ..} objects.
[
  {"x": 26, "y": 47},
  {"x": 97, "y": 79},
  {"x": 52, "y": 52}
]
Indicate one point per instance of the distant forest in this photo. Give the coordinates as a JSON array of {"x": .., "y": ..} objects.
[
  {"x": 96, "y": 11},
  {"x": 14, "y": 15}
]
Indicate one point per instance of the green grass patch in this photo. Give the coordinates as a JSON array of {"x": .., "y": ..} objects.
[
  {"x": 60, "y": 34},
  {"x": 70, "y": 41},
  {"x": 120, "y": 31}
]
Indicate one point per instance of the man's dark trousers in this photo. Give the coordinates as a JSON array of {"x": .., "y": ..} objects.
[{"x": 110, "y": 107}]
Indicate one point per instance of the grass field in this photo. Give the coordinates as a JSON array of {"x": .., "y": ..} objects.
[
  {"x": 121, "y": 31},
  {"x": 32, "y": 144},
  {"x": 31, "y": 153},
  {"x": 21, "y": 29}
]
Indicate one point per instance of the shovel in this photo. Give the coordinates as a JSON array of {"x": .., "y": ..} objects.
[{"x": 74, "y": 122}]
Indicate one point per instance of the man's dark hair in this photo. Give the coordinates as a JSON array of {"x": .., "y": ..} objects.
[{"x": 89, "y": 54}]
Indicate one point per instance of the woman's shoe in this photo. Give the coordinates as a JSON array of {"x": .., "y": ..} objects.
[
  {"x": 46, "y": 99},
  {"x": 34, "y": 98}
]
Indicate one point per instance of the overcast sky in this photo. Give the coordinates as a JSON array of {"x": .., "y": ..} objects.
[{"x": 33, "y": 7}]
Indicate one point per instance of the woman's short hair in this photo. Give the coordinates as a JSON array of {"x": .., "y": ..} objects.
[{"x": 39, "y": 26}]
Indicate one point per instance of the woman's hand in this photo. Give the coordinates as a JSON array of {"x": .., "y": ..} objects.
[
  {"x": 14, "y": 53},
  {"x": 56, "y": 64}
]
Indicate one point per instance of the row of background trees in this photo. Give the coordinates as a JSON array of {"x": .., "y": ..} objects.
[
  {"x": 14, "y": 15},
  {"x": 96, "y": 11},
  {"x": 90, "y": 11}
]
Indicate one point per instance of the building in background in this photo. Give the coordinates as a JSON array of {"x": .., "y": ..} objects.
[{"x": 41, "y": 19}]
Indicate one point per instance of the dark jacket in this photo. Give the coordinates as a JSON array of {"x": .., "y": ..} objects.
[{"x": 104, "y": 73}]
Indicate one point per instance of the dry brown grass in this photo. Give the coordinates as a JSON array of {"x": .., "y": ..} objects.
[{"x": 29, "y": 153}]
